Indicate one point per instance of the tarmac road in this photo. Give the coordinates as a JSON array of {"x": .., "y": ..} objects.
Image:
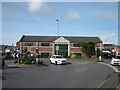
[{"x": 79, "y": 74}]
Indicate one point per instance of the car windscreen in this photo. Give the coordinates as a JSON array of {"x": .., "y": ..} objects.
[
  {"x": 53, "y": 56},
  {"x": 117, "y": 57},
  {"x": 59, "y": 56}
]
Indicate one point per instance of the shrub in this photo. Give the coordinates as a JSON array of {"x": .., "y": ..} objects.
[
  {"x": 85, "y": 57},
  {"x": 15, "y": 61},
  {"x": 27, "y": 61},
  {"x": 22, "y": 58},
  {"x": 39, "y": 62},
  {"x": 31, "y": 58},
  {"x": 49, "y": 56},
  {"x": 33, "y": 62},
  {"x": 68, "y": 56},
  {"x": 22, "y": 61},
  {"x": 73, "y": 56}
]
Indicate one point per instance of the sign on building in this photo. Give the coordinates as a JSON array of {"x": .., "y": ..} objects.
[
  {"x": 17, "y": 50},
  {"x": 57, "y": 47}
]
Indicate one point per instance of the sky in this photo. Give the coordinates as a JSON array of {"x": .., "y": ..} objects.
[{"x": 75, "y": 19}]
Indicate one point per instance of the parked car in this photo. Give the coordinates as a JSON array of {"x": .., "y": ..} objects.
[
  {"x": 57, "y": 59},
  {"x": 115, "y": 60}
]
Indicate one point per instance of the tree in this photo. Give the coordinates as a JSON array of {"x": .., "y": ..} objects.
[{"x": 88, "y": 48}]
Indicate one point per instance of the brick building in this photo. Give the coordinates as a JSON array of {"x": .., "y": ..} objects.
[
  {"x": 46, "y": 45},
  {"x": 117, "y": 50}
]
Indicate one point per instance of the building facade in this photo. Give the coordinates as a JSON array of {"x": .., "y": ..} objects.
[
  {"x": 117, "y": 50},
  {"x": 53, "y": 45},
  {"x": 108, "y": 47}
]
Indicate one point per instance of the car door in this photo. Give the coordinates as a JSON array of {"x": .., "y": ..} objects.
[{"x": 53, "y": 59}]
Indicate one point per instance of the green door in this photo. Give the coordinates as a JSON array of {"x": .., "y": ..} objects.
[{"x": 63, "y": 49}]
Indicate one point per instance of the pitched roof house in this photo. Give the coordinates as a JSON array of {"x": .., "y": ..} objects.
[{"x": 68, "y": 45}]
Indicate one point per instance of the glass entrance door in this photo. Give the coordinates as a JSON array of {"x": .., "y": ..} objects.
[{"x": 63, "y": 49}]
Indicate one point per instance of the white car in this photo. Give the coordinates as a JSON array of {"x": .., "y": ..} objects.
[
  {"x": 115, "y": 60},
  {"x": 57, "y": 59}
]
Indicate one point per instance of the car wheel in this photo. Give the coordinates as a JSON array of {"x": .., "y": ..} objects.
[
  {"x": 56, "y": 63},
  {"x": 51, "y": 62}
]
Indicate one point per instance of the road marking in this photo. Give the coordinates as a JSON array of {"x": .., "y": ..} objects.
[
  {"x": 114, "y": 68},
  {"x": 106, "y": 81}
]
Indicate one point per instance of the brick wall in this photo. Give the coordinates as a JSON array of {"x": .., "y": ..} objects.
[
  {"x": 32, "y": 49},
  {"x": 18, "y": 45},
  {"x": 75, "y": 49}
]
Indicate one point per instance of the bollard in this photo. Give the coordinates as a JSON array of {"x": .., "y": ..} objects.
[{"x": 100, "y": 58}]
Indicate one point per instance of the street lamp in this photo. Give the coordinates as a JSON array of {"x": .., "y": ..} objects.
[
  {"x": 57, "y": 47},
  {"x": 96, "y": 52}
]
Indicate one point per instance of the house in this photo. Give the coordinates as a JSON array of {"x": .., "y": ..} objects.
[
  {"x": 117, "y": 50},
  {"x": 108, "y": 46},
  {"x": 53, "y": 45},
  {"x": 7, "y": 49},
  {"x": 110, "y": 49}
]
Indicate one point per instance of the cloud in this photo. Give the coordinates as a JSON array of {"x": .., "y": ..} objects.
[
  {"x": 35, "y": 6},
  {"x": 109, "y": 17},
  {"x": 47, "y": 10},
  {"x": 40, "y": 7},
  {"x": 107, "y": 37},
  {"x": 71, "y": 15}
]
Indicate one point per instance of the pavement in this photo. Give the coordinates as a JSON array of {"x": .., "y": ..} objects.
[
  {"x": 79, "y": 74},
  {"x": 113, "y": 81}
]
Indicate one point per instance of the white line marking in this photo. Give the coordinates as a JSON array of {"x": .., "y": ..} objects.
[
  {"x": 107, "y": 80},
  {"x": 116, "y": 69}
]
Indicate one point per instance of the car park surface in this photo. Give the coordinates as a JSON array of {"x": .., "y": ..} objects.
[{"x": 79, "y": 74}]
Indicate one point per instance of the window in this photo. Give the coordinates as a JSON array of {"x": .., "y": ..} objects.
[
  {"x": 59, "y": 56},
  {"x": 77, "y": 45},
  {"x": 45, "y": 44},
  {"x": 53, "y": 56},
  {"x": 28, "y": 44},
  {"x": 117, "y": 57},
  {"x": 44, "y": 55}
]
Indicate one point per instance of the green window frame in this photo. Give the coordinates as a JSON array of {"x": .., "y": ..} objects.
[
  {"x": 28, "y": 44},
  {"x": 45, "y": 44},
  {"x": 45, "y": 54}
]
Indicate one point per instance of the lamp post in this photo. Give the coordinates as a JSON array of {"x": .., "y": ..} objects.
[
  {"x": 96, "y": 52},
  {"x": 57, "y": 47}
]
